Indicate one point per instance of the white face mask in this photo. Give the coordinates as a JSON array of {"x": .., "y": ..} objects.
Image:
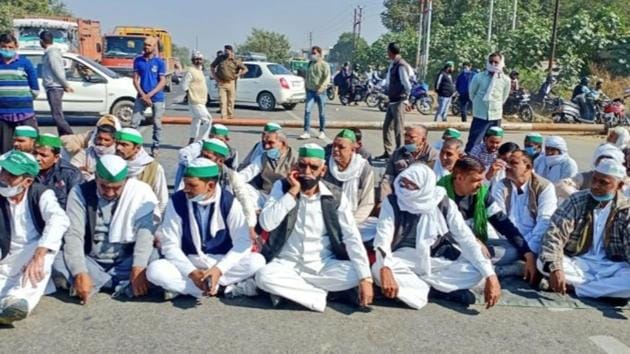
[
  {"x": 102, "y": 150},
  {"x": 314, "y": 57},
  {"x": 198, "y": 198},
  {"x": 10, "y": 191},
  {"x": 554, "y": 160}
]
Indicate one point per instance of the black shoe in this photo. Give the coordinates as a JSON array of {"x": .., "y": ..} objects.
[
  {"x": 464, "y": 297},
  {"x": 276, "y": 300},
  {"x": 385, "y": 156},
  {"x": 614, "y": 301}
]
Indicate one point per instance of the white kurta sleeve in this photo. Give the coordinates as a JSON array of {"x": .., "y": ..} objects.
[
  {"x": 352, "y": 240},
  {"x": 57, "y": 222},
  {"x": 366, "y": 199},
  {"x": 242, "y": 193},
  {"x": 463, "y": 235},
  {"x": 497, "y": 194},
  {"x": 241, "y": 243},
  {"x": 170, "y": 236},
  {"x": 252, "y": 170},
  {"x": 547, "y": 203},
  {"x": 385, "y": 229},
  {"x": 276, "y": 208},
  {"x": 190, "y": 152},
  {"x": 161, "y": 189}
]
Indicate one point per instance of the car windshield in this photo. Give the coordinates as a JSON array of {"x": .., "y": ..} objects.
[
  {"x": 123, "y": 47},
  {"x": 32, "y": 34},
  {"x": 100, "y": 67},
  {"x": 277, "y": 69}
]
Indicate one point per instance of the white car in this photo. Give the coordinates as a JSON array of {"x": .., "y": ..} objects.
[
  {"x": 97, "y": 90},
  {"x": 265, "y": 84}
]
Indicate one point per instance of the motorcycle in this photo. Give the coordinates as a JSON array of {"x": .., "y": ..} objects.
[
  {"x": 518, "y": 103},
  {"x": 420, "y": 98},
  {"x": 613, "y": 113},
  {"x": 375, "y": 89},
  {"x": 455, "y": 107},
  {"x": 383, "y": 102},
  {"x": 330, "y": 92},
  {"x": 543, "y": 101},
  {"x": 569, "y": 112},
  {"x": 358, "y": 93}
]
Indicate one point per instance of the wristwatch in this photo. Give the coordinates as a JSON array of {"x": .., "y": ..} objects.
[{"x": 368, "y": 279}]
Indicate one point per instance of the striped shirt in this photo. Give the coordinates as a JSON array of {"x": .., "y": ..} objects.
[
  {"x": 481, "y": 152},
  {"x": 18, "y": 85}
]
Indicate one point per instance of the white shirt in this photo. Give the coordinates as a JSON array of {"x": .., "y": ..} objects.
[
  {"x": 308, "y": 244},
  {"x": 252, "y": 170},
  {"x": 597, "y": 251}
]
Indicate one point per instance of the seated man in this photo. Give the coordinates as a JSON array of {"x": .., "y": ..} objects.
[
  {"x": 533, "y": 145},
  {"x": 449, "y": 133},
  {"x": 619, "y": 136},
  {"x": 204, "y": 239},
  {"x": 269, "y": 167},
  {"x": 352, "y": 174},
  {"x": 77, "y": 143},
  {"x": 24, "y": 138},
  {"x": 314, "y": 245},
  {"x": 54, "y": 172},
  {"x": 416, "y": 149},
  {"x": 110, "y": 240},
  {"x": 413, "y": 251},
  {"x": 258, "y": 149},
  {"x": 487, "y": 150},
  {"x": 451, "y": 151},
  {"x": 555, "y": 164},
  {"x": 142, "y": 165},
  {"x": 31, "y": 227},
  {"x": 221, "y": 132},
  {"x": 473, "y": 200},
  {"x": 496, "y": 172},
  {"x": 103, "y": 143},
  {"x": 358, "y": 146},
  {"x": 587, "y": 245},
  {"x": 529, "y": 200}
]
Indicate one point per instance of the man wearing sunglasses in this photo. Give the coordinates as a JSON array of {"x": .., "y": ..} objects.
[{"x": 488, "y": 91}]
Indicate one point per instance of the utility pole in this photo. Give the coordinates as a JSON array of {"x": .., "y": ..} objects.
[
  {"x": 356, "y": 29},
  {"x": 514, "y": 8},
  {"x": 427, "y": 39},
  {"x": 310, "y": 40},
  {"x": 490, "y": 21},
  {"x": 554, "y": 35},
  {"x": 420, "y": 35}
]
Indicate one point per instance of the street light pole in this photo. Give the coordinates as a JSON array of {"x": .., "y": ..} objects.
[
  {"x": 427, "y": 40},
  {"x": 420, "y": 35},
  {"x": 514, "y": 9},
  {"x": 554, "y": 36},
  {"x": 490, "y": 21}
]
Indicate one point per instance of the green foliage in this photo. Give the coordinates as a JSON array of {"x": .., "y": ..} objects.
[
  {"x": 182, "y": 53},
  {"x": 342, "y": 51},
  {"x": 10, "y": 9},
  {"x": 274, "y": 45}
]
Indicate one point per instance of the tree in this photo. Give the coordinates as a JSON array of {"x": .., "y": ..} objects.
[
  {"x": 400, "y": 15},
  {"x": 341, "y": 52},
  {"x": 10, "y": 9},
  {"x": 182, "y": 54},
  {"x": 274, "y": 45}
]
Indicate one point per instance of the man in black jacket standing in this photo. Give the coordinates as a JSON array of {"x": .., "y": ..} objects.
[{"x": 445, "y": 88}]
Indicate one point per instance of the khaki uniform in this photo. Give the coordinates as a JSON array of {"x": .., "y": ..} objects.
[{"x": 227, "y": 71}]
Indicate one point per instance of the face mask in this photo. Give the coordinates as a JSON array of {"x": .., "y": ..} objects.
[
  {"x": 102, "y": 150},
  {"x": 307, "y": 183},
  {"x": 603, "y": 198},
  {"x": 530, "y": 150},
  {"x": 314, "y": 57},
  {"x": 198, "y": 198},
  {"x": 411, "y": 148},
  {"x": 554, "y": 160},
  {"x": 10, "y": 191},
  {"x": 273, "y": 153},
  {"x": 7, "y": 54}
]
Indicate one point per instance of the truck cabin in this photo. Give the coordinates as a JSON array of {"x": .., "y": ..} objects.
[{"x": 65, "y": 34}]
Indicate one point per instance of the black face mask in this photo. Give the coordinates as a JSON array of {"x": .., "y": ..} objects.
[{"x": 307, "y": 183}]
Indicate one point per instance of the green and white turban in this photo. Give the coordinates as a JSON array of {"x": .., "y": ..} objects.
[
  {"x": 202, "y": 168},
  {"x": 216, "y": 146},
  {"x": 348, "y": 134},
  {"x": 219, "y": 130},
  {"x": 131, "y": 135},
  {"x": 535, "y": 138},
  {"x": 25, "y": 131},
  {"x": 452, "y": 133},
  {"x": 19, "y": 163},
  {"x": 495, "y": 131},
  {"x": 49, "y": 140},
  {"x": 312, "y": 151},
  {"x": 272, "y": 127},
  {"x": 112, "y": 168}
]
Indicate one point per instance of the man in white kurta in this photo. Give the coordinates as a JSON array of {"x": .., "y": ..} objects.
[
  {"x": 451, "y": 150},
  {"x": 586, "y": 246},
  {"x": 204, "y": 239},
  {"x": 29, "y": 240},
  {"x": 411, "y": 253},
  {"x": 307, "y": 259}
]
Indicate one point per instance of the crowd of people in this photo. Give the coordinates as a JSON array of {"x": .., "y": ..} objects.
[{"x": 91, "y": 212}]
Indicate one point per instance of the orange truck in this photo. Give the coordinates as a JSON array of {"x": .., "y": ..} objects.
[
  {"x": 127, "y": 42},
  {"x": 70, "y": 34}
]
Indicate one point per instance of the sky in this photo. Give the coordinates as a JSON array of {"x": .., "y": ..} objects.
[{"x": 218, "y": 22}]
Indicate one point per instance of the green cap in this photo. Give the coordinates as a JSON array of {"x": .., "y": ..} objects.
[
  {"x": 49, "y": 140},
  {"x": 452, "y": 133},
  {"x": 449, "y": 63},
  {"x": 534, "y": 138},
  {"x": 495, "y": 131},
  {"x": 26, "y": 131},
  {"x": 219, "y": 130},
  {"x": 131, "y": 135},
  {"x": 201, "y": 168},
  {"x": 19, "y": 163},
  {"x": 272, "y": 127},
  {"x": 312, "y": 150},
  {"x": 216, "y": 146},
  {"x": 111, "y": 168},
  {"x": 348, "y": 134}
]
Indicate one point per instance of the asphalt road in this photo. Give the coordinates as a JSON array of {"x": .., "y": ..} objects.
[{"x": 59, "y": 324}]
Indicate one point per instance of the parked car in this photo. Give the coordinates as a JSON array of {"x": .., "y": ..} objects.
[
  {"x": 266, "y": 85},
  {"x": 97, "y": 89}
]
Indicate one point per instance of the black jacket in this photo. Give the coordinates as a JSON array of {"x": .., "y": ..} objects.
[
  {"x": 444, "y": 87},
  {"x": 61, "y": 179}
]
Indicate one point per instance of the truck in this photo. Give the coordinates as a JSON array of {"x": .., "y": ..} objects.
[
  {"x": 127, "y": 42},
  {"x": 75, "y": 35}
]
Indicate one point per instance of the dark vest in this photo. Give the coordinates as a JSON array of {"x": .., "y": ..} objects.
[
  {"x": 88, "y": 191},
  {"x": 269, "y": 175},
  {"x": 33, "y": 196},
  {"x": 396, "y": 90},
  {"x": 219, "y": 243},
  {"x": 279, "y": 236}
]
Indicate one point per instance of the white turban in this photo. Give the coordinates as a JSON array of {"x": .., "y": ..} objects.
[
  {"x": 612, "y": 168},
  {"x": 557, "y": 142},
  {"x": 623, "y": 137},
  {"x": 608, "y": 150},
  {"x": 419, "y": 201}
]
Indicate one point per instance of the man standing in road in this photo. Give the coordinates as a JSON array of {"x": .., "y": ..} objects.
[
  {"x": 54, "y": 80},
  {"x": 488, "y": 91},
  {"x": 445, "y": 89},
  {"x": 317, "y": 80},
  {"x": 195, "y": 86},
  {"x": 225, "y": 69},
  {"x": 149, "y": 80},
  {"x": 398, "y": 90},
  {"x": 462, "y": 83}
]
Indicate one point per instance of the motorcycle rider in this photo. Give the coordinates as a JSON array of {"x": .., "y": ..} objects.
[
  {"x": 514, "y": 84},
  {"x": 598, "y": 92},
  {"x": 583, "y": 97}
]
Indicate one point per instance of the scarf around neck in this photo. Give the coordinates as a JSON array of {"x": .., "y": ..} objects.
[
  {"x": 350, "y": 178},
  {"x": 480, "y": 214}
]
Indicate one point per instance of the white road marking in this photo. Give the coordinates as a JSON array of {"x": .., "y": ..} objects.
[
  {"x": 559, "y": 309},
  {"x": 610, "y": 344}
]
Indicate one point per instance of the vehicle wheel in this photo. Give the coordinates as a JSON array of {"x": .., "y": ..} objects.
[
  {"x": 526, "y": 113},
  {"x": 425, "y": 105},
  {"x": 289, "y": 106},
  {"x": 455, "y": 108},
  {"x": 266, "y": 101},
  {"x": 343, "y": 100},
  {"x": 123, "y": 110},
  {"x": 330, "y": 93},
  {"x": 372, "y": 100},
  {"x": 208, "y": 101},
  {"x": 557, "y": 118},
  {"x": 382, "y": 106}
]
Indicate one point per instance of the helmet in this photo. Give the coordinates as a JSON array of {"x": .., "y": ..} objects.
[
  {"x": 196, "y": 55},
  {"x": 513, "y": 74},
  {"x": 584, "y": 80}
]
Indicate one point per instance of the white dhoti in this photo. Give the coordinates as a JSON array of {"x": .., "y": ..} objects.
[
  {"x": 11, "y": 276},
  {"x": 596, "y": 279},
  {"x": 413, "y": 289},
  {"x": 163, "y": 273},
  {"x": 293, "y": 281},
  {"x": 201, "y": 121}
]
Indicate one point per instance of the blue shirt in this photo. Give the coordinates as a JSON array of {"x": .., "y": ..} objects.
[
  {"x": 150, "y": 70},
  {"x": 18, "y": 84}
]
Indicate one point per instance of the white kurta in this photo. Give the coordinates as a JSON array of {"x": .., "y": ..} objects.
[
  {"x": 531, "y": 229},
  {"x": 25, "y": 240},
  {"x": 445, "y": 275},
  {"x": 172, "y": 272},
  {"x": 306, "y": 268},
  {"x": 248, "y": 174}
]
